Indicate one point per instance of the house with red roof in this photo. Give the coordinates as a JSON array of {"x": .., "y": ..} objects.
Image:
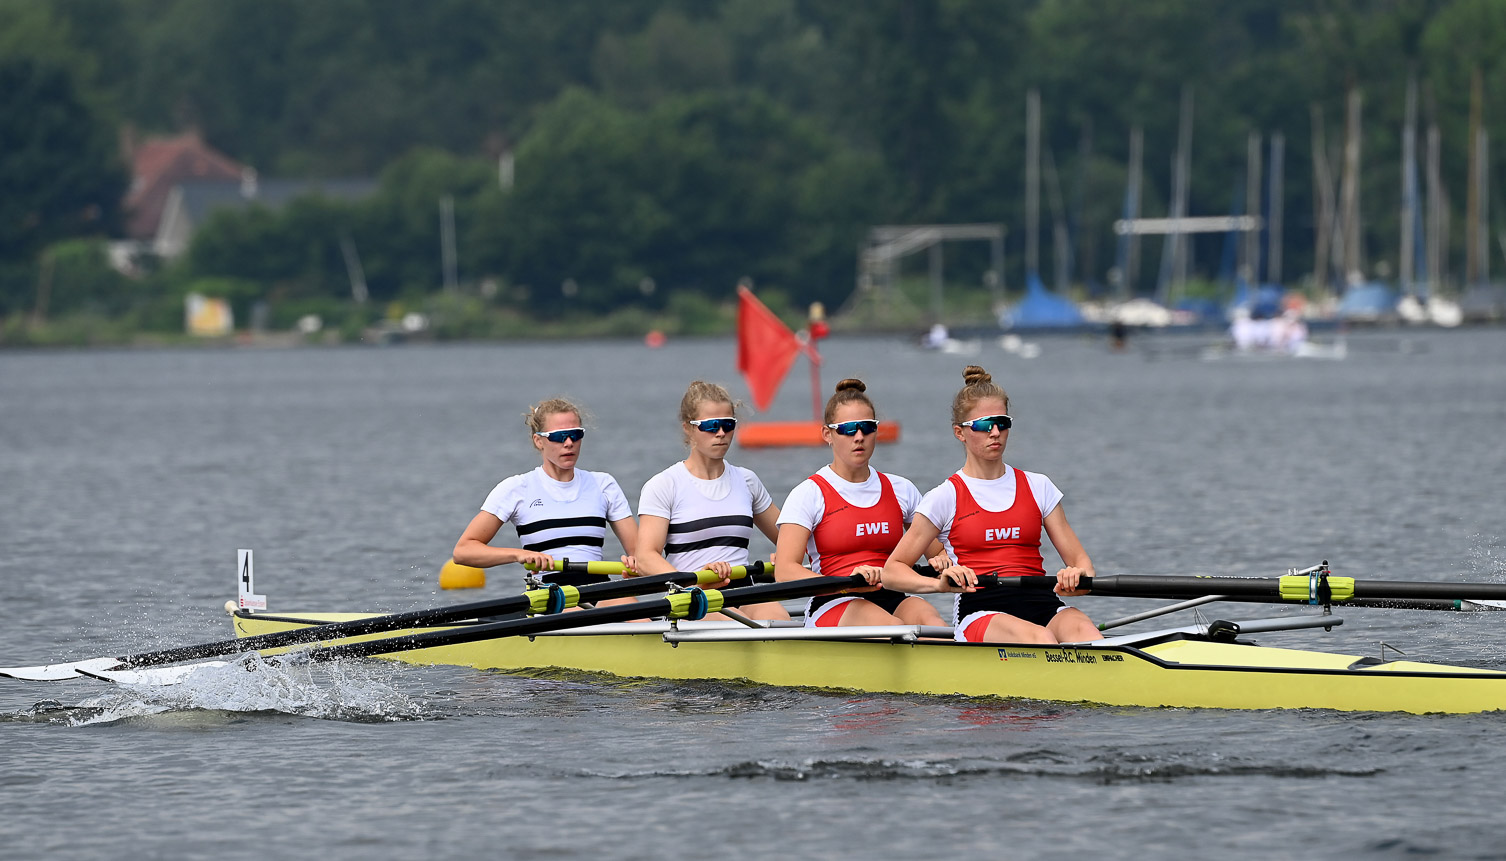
[{"x": 177, "y": 182}]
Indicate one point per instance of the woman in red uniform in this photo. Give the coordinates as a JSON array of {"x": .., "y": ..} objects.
[
  {"x": 990, "y": 515},
  {"x": 846, "y": 519}
]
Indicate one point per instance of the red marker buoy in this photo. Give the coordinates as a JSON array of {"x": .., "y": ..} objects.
[{"x": 654, "y": 340}]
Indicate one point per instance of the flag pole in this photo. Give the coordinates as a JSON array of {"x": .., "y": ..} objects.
[{"x": 816, "y": 329}]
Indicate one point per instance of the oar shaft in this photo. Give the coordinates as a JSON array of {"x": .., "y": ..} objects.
[
  {"x": 1292, "y": 588},
  {"x": 673, "y": 606},
  {"x": 532, "y": 600}
]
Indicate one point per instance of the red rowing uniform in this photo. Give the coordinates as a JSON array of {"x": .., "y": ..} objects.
[
  {"x": 1006, "y": 543},
  {"x": 849, "y": 536}
]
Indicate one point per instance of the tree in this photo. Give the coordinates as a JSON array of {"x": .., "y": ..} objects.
[{"x": 60, "y": 173}]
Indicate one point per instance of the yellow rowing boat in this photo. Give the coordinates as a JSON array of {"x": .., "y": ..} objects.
[{"x": 1182, "y": 667}]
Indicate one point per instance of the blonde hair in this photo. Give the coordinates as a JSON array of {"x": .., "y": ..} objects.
[
  {"x": 701, "y": 392},
  {"x": 977, "y": 384},
  {"x": 848, "y": 391},
  {"x": 536, "y": 414}
]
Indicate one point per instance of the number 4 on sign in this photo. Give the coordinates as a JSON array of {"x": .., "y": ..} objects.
[{"x": 248, "y": 599}]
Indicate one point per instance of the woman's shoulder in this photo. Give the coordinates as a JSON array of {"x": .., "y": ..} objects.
[
  {"x": 670, "y": 473},
  {"x": 899, "y": 481},
  {"x": 733, "y": 471},
  {"x": 597, "y": 476},
  {"x": 514, "y": 481}
]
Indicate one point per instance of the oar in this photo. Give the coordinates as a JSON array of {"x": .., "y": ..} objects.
[
  {"x": 1303, "y": 588},
  {"x": 689, "y": 604},
  {"x": 693, "y": 603},
  {"x": 548, "y": 600}
]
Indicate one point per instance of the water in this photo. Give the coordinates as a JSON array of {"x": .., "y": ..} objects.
[{"x": 128, "y": 480}]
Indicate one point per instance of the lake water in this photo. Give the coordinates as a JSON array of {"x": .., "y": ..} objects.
[{"x": 129, "y": 479}]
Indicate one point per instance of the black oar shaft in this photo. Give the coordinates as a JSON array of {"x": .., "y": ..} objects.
[
  {"x": 1261, "y": 588},
  {"x": 803, "y": 588},
  {"x": 625, "y": 587}
]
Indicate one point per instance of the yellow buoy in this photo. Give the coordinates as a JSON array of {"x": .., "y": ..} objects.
[{"x": 456, "y": 576}]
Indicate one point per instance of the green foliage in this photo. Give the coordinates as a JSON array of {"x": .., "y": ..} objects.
[
  {"x": 664, "y": 149},
  {"x": 60, "y": 175},
  {"x": 694, "y": 194}
]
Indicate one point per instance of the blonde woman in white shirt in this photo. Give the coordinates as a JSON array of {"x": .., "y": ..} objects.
[
  {"x": 560, "y": 511},
  {"x": 701, "y": 512}
]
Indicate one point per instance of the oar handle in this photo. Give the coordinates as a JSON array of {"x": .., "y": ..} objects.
[{"x": 754, "y": 570}]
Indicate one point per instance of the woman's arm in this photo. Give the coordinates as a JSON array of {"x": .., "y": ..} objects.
[
  {"x": 1064, "y": 539},
  {"x": 474, "y": 547},
  {"x": 648, "y": 552},
  {"x": 789, "y": 553},
  {"x": 626, "y": 530},
  {"x": 899, "y": 573}
]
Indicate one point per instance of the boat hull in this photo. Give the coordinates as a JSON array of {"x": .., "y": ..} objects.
[{"x": 1178, "y": 671}]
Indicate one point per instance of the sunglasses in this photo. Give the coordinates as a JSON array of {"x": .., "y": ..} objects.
[
  {"x": 561, "y": 435},
  {"x": 714, "y": 425},
  {"x": 988, "y": 423},
  {"x": 867, "y": 426}
]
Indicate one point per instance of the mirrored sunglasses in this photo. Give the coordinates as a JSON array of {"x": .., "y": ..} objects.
[
  {"x": 563, "y": 434},
  {"x": 869, "y": 427},
  {"x": 714, "y": 425},
  {"x": 988, "y": 423}
]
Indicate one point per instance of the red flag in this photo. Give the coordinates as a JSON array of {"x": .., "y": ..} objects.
[{"x": 765, "y": 348}]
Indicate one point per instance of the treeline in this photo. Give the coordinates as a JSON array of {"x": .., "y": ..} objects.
[{"x": 639, "y": 152}]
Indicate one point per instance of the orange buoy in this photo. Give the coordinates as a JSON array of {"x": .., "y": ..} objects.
[
  {"x": 654, "y": 339},
  {"x": 769, "y": 434}
]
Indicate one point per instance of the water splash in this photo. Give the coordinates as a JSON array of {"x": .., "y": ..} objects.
[{"x": 358, "y": 691}]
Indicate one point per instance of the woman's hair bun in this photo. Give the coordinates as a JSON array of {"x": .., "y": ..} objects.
[
  {"x": 851, "y": 385},
  {"x": 973, "y": 375}
]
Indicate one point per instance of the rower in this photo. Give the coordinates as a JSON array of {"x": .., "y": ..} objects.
[
  {"x": 990, "y": 515},
  {"x": 700, "y": 513},
  {"x": 846, "y": 519},
  {"x": 558, "y": 510}
]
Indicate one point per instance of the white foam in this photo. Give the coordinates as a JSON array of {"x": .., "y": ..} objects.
[{"x": 336, "y": 690}]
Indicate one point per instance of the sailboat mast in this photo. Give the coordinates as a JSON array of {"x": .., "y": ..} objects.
[
  {"x": 1409, "y": 188},
  {"x": 1273, "y": 225},
  {"x": 1472, "y": 196},
  {"x": 1132, "y": 211},
  {"x": 1249, "y": 266},
  {"x": 1350, "y": 191},
  {"x": 1032, "y": 182}
]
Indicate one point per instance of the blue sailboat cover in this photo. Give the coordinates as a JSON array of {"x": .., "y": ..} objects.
[{"x": 1040, "y": 308}]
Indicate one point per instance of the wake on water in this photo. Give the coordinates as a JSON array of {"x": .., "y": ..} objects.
[{"x": 359, "y": 691}]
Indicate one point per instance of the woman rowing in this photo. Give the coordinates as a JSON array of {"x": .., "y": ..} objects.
[
  {"x": 990, "y": 516},
  {"x": 847, "y": 519},
  {"x": 559, "y": 511},
  {"x": 700, "y": 513}
]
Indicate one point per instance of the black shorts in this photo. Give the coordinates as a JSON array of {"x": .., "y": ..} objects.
[
  {"x": 1038, "y": 607},
  {"x": 888, "y": 600}
]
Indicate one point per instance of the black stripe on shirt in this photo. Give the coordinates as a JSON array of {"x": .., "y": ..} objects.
[
  {"x": 560, "y": 523},
  {"x": 568, "y": 540},
  {"x": 711, "y": 522},
  {"x": 718, "y": 541}
]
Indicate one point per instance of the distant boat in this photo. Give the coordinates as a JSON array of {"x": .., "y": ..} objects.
[
  {"x": 1041, "y": 309},
  {"x": 1370, "y": 302}
]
